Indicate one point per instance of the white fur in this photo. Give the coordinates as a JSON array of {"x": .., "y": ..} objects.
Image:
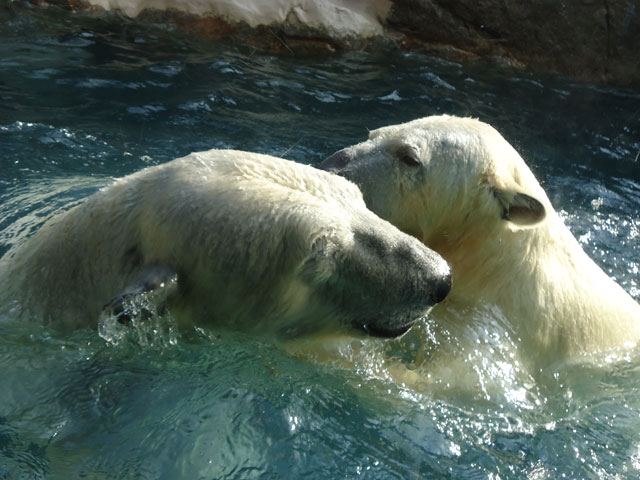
[
  {"x": 257, "y": 242},
  {"x": 464, "y": 178}
]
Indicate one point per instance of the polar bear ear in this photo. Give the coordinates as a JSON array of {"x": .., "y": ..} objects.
[{"x": 520, "y": 208}]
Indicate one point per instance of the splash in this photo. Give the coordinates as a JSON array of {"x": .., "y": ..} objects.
[{"x": 150, "y": 324}]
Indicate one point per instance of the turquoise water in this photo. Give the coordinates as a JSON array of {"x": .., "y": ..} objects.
[{"x": 84, "y": 99}]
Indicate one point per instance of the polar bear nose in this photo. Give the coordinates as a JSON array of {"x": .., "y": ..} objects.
[
  {"x": 336, "y": 162},
  {"x": 443, "y": 288}
]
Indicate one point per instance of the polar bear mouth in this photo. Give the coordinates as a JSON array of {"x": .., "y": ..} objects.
[{"x": 382, "y": 332}]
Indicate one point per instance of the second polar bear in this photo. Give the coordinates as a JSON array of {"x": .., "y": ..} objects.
[
  {"x": 463, "y": 190},
  {"x": 231, "y": 238}
]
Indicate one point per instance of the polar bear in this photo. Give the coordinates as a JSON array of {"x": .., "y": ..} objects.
[
  {"x": 458, "y": 186},
  {"x": 227, "y": 238}
]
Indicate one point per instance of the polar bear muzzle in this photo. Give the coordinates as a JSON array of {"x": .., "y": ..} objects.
[{"x": 388, "y": 281}]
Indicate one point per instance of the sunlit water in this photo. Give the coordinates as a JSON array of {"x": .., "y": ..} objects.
[{"x": 85, "y": 99}]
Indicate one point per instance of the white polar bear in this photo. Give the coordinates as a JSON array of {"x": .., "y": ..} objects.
[
  {"x": 227, "y": 238},
  {"x": 459, "y": 187}
]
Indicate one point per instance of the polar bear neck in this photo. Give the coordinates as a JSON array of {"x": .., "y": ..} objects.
[
  {"x": 548, "y": 270},
  {"x": 601, "y": 314}
]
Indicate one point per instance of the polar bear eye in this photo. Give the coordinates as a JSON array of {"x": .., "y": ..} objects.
[{"x": 409, "y": 160}]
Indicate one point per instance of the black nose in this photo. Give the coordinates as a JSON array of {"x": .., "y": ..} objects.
[
  {"x": 336, "y": 162},
  {"x": 443, "y": 289}
]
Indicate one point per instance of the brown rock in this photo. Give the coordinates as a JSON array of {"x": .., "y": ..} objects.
[{"x": 589, "y": 40}]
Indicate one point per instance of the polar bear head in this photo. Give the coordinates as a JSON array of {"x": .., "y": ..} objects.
[
  {"x": 369, "y": 273},
  {"x": 454, "y": 183}
]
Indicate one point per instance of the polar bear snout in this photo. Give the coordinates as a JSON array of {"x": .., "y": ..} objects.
[
  {"x": 337, "y": 161},
  {"x": 396, "y": 278}
]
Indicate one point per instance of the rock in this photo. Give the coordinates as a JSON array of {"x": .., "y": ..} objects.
[
  {"x": 343, "y": 22},
  {"x": 589, "y": 40}
]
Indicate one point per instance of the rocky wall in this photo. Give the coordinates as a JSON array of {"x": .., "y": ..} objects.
[{"x": 592, "y": 40}]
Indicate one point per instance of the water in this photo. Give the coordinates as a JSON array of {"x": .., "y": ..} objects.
[{"x": 84, "y": 99}]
